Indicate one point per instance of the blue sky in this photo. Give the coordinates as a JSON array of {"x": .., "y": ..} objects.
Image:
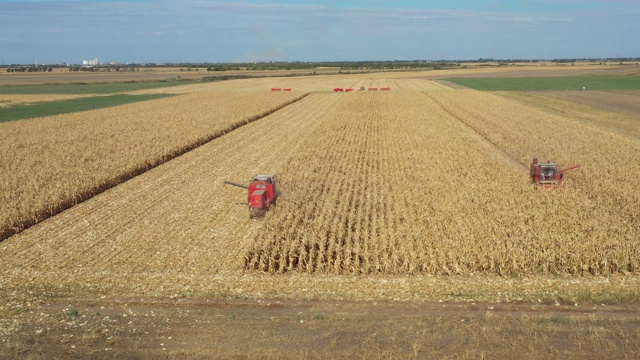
[{"x": 57, "y": 31}]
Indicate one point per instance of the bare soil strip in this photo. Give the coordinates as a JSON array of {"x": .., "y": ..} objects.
[
  {"x": 627, "y": 102},
  {"x": 450, "y": 84},
  {"x": 152, "y": 328},
  {"x": 12, "y": 100}
]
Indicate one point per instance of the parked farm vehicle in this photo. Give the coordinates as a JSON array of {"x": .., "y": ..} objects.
[
  {"x": 548, "y": 174},
  {"x": 262, "y": 194}
]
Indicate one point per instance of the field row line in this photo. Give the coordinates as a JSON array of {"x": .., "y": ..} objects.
[{"x": 465, "y": 121}]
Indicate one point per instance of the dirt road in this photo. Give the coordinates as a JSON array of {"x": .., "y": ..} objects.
[{"x": 151, "y": 328}]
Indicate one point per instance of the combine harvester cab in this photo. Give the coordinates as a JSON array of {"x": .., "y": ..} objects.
[
  {"x": 262, "y": 194},
  {"x": 548, "y": 174}
]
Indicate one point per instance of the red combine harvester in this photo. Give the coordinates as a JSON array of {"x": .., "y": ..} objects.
[
  {"x": 547, "y": 174},
  {"x": 262, "y": 194}
]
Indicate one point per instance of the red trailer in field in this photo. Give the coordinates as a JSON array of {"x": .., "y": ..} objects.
[{"x": 262, "y": 194}]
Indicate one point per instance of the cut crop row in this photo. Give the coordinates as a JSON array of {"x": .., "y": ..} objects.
[{"x": 50, "y": 164}]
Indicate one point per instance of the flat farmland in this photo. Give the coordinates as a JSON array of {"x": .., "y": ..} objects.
[
  {"x": 466, "y": 70},
  {"x": 418, "y": 194},
  {"x": 63, "y": 76},
  {"x": 625, "y": 102},
  {"x": 52, "y": 163}
]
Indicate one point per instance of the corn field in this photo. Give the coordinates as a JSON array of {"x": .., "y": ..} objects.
[
  {"x": 436, "y": 182},
  {"x": 417, "y": 180}
]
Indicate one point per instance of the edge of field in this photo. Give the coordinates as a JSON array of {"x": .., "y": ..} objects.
[
  {"x": 26, "y": 111},
  {"x": 584, "y": 82},
  {"x": 153, "y": 328}
]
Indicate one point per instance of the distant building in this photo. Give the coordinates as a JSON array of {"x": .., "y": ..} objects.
[{"x": 93, "y": 62}]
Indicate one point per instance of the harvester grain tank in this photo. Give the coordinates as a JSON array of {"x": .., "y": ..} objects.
[
  {"x": 549, "y": 173},
  {"x": 262, "y": 194}
]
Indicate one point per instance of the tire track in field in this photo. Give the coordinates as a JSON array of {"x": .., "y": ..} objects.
[{"x": 505, "y": 155}]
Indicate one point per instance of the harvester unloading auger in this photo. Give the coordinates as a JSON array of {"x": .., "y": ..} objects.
[
  {"x": 262, "y": 194},
  {"x": 548, "y": 174}
]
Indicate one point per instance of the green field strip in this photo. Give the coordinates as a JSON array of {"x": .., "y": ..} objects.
[
  {"x": 28, "y": 111},
  {"x": 94, "y": 88},
  {"x": 593, "y": 82}
]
